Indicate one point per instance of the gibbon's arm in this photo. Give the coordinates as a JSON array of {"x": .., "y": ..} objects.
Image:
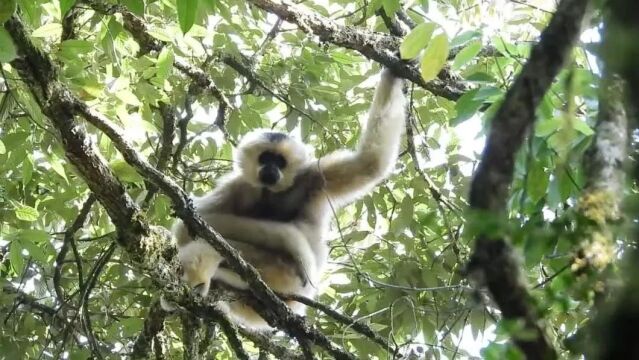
[
  {"x": 349, "y": 174},
  {"x": 272, "y": 235}
]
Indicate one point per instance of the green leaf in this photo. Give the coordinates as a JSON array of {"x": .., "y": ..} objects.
[
  {"x": 37, "y": 252},
  {"x": 582, "y": 127},
  {"x": 135, "y": 6},
  {"x": 73, "y": 47},
  {"x": 7, "y": 8},
  {"x": 465, "y": 37},
  {"x": 16, "y": 258},
  {"x": 125, "y": 172},
  {"x": 27, "y": 169},
  {"x": 36, "y": 236},
  {"x": 537, "y": 181},
  {"x": 65, "y": 5},
  {"x": 489, "y": 93},
  {"x": 390, "y": 6},
  {"x": 26, "y": 213},
  {"x": 58, "y": 167},
  {"x": 7, "y": 49},
  {"x": 466, "y": 54},
  {"x": 434, "y": 57},
  {"x": 547, "y": 127},
  {"x": 186, "y": 14},
  {"x": 161, "y": 35},
  {"x": 47, "y": 30},
  {"x": 405, "y": 216},
  {"x": 165, "y": 63},
  {"x": 416, "y": 40},
  {"x": 3, "y": 149},
  {"x": 466, "y": 106},
  {"x": 128, "y": 97}
]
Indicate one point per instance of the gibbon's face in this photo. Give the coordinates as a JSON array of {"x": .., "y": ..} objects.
[{"x": 270, "y": 159}]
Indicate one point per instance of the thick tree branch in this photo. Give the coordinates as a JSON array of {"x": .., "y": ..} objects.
[
  {"x": 619, "y": 318},
  {"x": 375, "y": 46},
  {"x": 493, "y": 258}
]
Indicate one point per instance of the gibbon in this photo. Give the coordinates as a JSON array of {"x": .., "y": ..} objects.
[{"x": 275, "y": 206}]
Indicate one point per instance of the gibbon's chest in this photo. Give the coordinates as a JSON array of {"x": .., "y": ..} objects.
[{"x": 287, "y": 205}]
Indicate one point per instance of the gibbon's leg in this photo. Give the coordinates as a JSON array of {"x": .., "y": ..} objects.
[
  {"x": 271, "y": 235},
  {"x": 351, "y": 173},
  {"x": 201, "y": 261},
  {"x": 276, "y": 271}
]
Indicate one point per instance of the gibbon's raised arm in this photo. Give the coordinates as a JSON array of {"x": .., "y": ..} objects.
[{"x": 351, "y": 173}]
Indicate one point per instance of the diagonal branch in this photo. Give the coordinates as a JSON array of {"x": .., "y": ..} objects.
[
  {"x": 373, "y": 45},
  {"x": 493, "y": 259}
]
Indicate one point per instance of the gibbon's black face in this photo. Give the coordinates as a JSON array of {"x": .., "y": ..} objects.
[
  {"x": 271, "y": 165},
  {"x": 270, "y": 159}
]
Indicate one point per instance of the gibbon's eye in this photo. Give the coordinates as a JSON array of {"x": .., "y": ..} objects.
[{"x": 270, "y": 157}]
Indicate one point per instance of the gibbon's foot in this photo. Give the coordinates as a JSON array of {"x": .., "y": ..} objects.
[
  {"x": 202, "y": 289},
  {"x": 167, "y": 305}
]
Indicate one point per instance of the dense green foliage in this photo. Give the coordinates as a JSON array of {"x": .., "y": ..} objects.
[{"x": 397, "y": 255}]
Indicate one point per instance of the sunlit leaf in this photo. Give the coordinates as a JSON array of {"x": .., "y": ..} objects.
[
  {"x": 128, "y": 97},
  {"x": 416, "y": 40},
  {"x": 164, "y": 64},
  {"x": 26, "y": 213},
  {"x": 434, "y": 57},
  {"x": 125, "y": 172},
  {"x": 58, "y": 168},
  {"x": 466, "y": 54},
  {"x": 75, "y": 47},
  {"x": 47, "y": 30}
]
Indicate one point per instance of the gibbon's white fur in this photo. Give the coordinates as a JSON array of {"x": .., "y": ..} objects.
[{"x": 275, "y": 205}]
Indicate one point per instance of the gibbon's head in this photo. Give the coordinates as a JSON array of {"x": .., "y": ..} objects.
[{"x": 270, "y": 159}]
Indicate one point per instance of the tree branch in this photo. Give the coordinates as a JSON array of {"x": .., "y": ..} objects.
[
  {"x": 166, "y": 146},
  {"x": 375, "y": 46},
  {"x": 493, "y": 259},
  {"x": 190, "y": 335},
  {"x": 69, "y": 241}
]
